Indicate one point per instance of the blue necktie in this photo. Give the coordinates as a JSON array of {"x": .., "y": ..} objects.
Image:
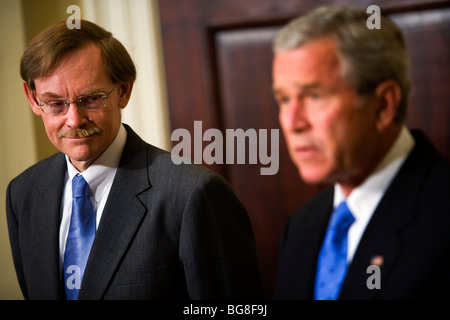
[
  {"x": 80, "y": 237},
  {"x": 332, "y": 262}
]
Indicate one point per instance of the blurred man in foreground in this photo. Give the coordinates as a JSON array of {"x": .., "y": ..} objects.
[{"x": 382, "y": 230}]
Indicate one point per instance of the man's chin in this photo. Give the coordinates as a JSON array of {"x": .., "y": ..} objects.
[
  {"x": 80, "y": 156},
  {"x": 312, "y": 176}
]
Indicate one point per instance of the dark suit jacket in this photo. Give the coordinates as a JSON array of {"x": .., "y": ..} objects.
[
  {"x": 410, "y": 229},
  {"x": 167, "y": 231}
]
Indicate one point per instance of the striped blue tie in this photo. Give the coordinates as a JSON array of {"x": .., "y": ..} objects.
[
  {"x": 80, "y": 237},
  {"x": 332, "y": 262}
]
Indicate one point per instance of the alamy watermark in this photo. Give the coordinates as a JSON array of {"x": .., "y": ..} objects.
[
  {"x": 374, "y": 280},
  {"x": 374, "y": 21},
  {"x": 73, "y": 22},
  {"x": 74, "y": 279},
  {"x": 256, "y": 150}
]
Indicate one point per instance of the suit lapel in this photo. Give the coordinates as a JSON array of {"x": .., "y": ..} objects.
[
  {"x": 120, "y": 219},
  {"x": 383, "y": 236},
  {"x": 308, "y": 234},
  {"x": 46, "y": 220}
]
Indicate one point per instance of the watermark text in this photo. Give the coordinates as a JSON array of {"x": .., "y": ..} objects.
[
  {"x": 73, "y": 22},
  {"x": 373, "y": 22},
  {"x": 236, "y": 147}
]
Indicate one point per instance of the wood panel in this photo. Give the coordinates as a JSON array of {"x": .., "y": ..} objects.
[{"x": 427, "y": 35}]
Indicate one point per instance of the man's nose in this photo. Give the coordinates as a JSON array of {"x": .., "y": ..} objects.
[
  {"x": 76, "y": 114},
  {"x": 296, "y": 116}
]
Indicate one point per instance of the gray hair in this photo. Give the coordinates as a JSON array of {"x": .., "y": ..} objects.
[{"x": 368, "y": 56}]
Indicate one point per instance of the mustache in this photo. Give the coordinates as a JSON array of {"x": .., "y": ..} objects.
[{"x": 79, "y": 133}]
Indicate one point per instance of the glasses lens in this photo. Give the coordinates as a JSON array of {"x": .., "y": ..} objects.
[
  {"x": 60, "y": 106},
  {"x": 93, "y": 102},
  {"x": 55, "y": 107}
]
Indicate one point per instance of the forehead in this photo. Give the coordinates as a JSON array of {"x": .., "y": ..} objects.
[
  {"x": 313, "y": 61},
  {"x": 79, "y": 69},
  {"x": 87, "y": 56}
]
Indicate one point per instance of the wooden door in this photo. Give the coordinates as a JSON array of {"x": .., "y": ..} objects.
[{"x": 218, "y": 68}]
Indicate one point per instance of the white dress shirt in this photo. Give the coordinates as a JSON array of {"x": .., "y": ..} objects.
[
  {"x": 364, "y": 199},
  {"x": 99, "y": 175}
]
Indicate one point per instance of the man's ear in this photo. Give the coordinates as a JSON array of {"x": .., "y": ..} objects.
[
  {"x": 124, "y": 94},
  {"x": 388, "y": 96},
  {"x": 30, "y": 96}
]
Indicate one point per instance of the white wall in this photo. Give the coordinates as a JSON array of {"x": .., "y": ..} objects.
[{"x": 17, "y": 143}]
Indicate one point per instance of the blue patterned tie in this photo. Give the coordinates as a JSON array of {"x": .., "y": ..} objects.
[
  {"x": 80, "y": 237},
  {"x": 332, "y": 262}
]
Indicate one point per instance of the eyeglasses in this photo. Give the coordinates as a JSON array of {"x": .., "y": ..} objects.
[{"x": 59, "y": 107}]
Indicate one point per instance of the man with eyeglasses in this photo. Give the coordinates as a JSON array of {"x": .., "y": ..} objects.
[{"x": 110, "y": 216}]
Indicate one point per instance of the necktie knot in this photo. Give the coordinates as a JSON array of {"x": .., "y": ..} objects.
[
  {"x": 340, "y": 223},
  {"x": 80, "y": 188}
]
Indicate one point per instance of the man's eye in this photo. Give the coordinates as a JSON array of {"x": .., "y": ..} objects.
[
  {"x": 314, "y": 95},
  {"x": 283, "y": 100},
  {"x": 92, "y": 100},
  {"x": 56, "y": 104}
]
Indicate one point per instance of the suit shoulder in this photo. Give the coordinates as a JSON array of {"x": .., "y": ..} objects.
[
  {"x": 435, "y": 187},
  {"x": 163, "y": 165},
  {"x": 427, "y": 169},
  {"x": 320, "y": 202},
  {"x": 441, "y": 168},
  {"x": 317, "y": 200},
  {"x": 427, "y": 156}
]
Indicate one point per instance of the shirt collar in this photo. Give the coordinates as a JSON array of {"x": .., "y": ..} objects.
[
  {"x": 363, "y": 200},
  {"x": 104, "y": 166}
]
